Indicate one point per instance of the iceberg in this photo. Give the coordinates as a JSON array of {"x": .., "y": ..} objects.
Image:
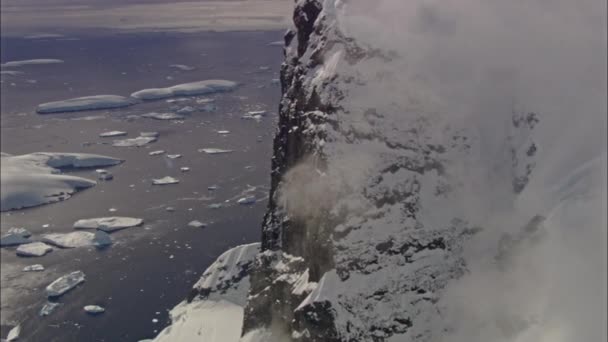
[
  {"x": 34, "y": 249},
  {"x": 38, "y": 61},
  {"x": 69, "y": 240},
  {"x": 108, "y": 224},
  {"x": 94, "y": 309},
  {"x": 112, "y": 134},
  {"x": 165, "y": 181},
  {"x": 214, "y": 150},
  {"x": 101, "y": 239},
  {"x": 34, "y": 179},
  {"x": 64, "y": 284},
  {"x": 85, "y": 103},
  {"x": 186, "y": 89},
  {"x": 163, "y": 116},
  {"x": 33, "y": 268}
]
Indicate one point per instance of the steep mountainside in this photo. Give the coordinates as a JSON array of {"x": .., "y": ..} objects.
[{"x": 426, "y": 188}]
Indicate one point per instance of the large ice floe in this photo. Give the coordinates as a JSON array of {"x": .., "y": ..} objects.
[
  {"x": 108, "y": 224},
  {"x": 214, "y": 309},
  {"x": 85, "y": 103},
  {"x": 34, "y": 179},
  {"x": 34, "y": 249},
  {"x": 64, "y": 284},
  {"x": 186, "y": 89},
  {"x": 69, "y": 240},
  {"x": 31, "y": 62}
]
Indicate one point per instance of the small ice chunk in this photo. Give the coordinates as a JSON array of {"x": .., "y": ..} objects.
[
  {"x": 275, "y": 81},
  {"x": 204, "y": 100},
  {"x": 85, "y": 103},
  {"x": 214, "y": 206},
  {"x": 33, "y": 268},
  {"x": 64, "y": 284},
  {"x": 156, "y": 153},
  {"x": 212, "y": 187},
  {"x": 257, "y": 112},
  {"x": 197, "y": 224},
  {"x": 163, "y": 116},
  {"x": 11, "y": 72},
  {"x": 69, "y": 240},
  {"x": 174, "y": 156},
  {"x": 165, "y": 181},
  {"x": 13, "y": 335},
  {"x": 105, "y": 176},
  {"x": 112, "y": 134},
  {"x": 31, "y": 62},
  {"x": 246, "y": 200},
  {"x": 184, "y": 169},
  {"x": 214, "y": 150},
  {"x": 139, "y": 141},
  {"x": 101, "y": 239},
  {"x": 108, "y": 224},
  {"x": 276, "y": 43},
  {"x": 186, "y": 110},
  {"x": 101, "y": 171},
  {"x": 182, "y": 67},
  {"x": 48, "y": 308},
  {"x": 223, "y": 132},
  {"x": 34, "y": 249},
  {"x": 20, "y": 231},
  {"x": 186, "y": 89},
  {"x": 13, "y": 240},
  {"x": 208, "y": 108},
  {"x": 94, "y": 309},
  {"x": 170, "y": 209}
]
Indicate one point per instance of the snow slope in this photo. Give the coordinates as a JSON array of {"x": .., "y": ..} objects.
[{"x": 34, "y": 179}]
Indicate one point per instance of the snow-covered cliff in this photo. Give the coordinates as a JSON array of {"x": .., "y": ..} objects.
[{"x": 439, "y": 174}]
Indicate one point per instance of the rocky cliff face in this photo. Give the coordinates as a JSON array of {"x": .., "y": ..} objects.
[{"x": 419, "y": 197}]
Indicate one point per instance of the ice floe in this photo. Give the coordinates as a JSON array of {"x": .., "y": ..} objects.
[
  {"x": 186, "y": 89},
  {"x": 64, "y": 284},
  {"x": 246, "y": 200},
  {"x": 184, "y": 169},
  {"x": 38, "y": 61},
  {"x": 13, "y": 240},
  {"x": 149, "y": 134},
  {"x": 165, "y": 181},
  {"x": 48, "y": 308},
  {"x": 223, "y": 132},
  {"x": 33, "y": 268},
  {"x": 105, "y": 176},
  {"x": 11, "y": 72},
  {"x": 182, "y": 67},
  {"x": 214, "y": 150},
  {"x": 13, "y": 335},
  {"x": 34, "y": 179},
  {"x": 156, "y": 153},
  {"x": 108, "y": 224},
  {"x": 69, "y": 240},
  {"x": 277, "y": 43},
  {"x": 85, "y": 103},
  {"x": 34, "y": 249},
  {"x": 163, "y": 116},
  {"x": 44, "y": 36},
  {"x": 112, "y": 134},
  {"x": 134, "y": 142},
  {"x": 94, "y": 309}
]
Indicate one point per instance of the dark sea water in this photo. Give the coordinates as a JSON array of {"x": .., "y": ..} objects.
[{"x": 149, "y": 269}]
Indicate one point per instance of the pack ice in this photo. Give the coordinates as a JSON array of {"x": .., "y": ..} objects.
[
  {"x": 185, "y": 89},
  {"x": 85, "y": 103},
  {"x": 34, "y": 179}
]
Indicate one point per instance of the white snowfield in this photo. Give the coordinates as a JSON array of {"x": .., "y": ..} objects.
[
  {"x": 14, "y": 64},
  {"x": 85, "y": 103},
  {"x": 34, "y": 179},
  {"x": 218, "y": 316},
  {"x": 108, "y": 224},
  {"x": 186, "y": 89}
]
